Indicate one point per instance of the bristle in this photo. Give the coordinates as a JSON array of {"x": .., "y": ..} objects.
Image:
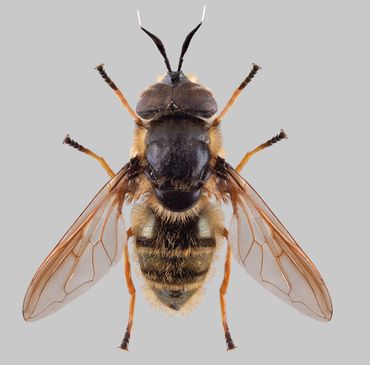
[
  {"x": 215, "y": 143},
  {"x": 138, "y": 147}
]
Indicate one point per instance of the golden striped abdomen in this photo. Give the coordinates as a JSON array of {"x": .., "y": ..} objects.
[{"x": 174, "y": 256}]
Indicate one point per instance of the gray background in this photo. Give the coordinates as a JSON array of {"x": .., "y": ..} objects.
[{"x": 314, "y": 84}]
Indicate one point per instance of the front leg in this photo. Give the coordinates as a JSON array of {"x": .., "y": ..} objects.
[{"x": 119, "y": 94}]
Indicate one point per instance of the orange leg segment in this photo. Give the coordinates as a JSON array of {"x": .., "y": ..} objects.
[
  {"x": 132, "y": 292},
  {"x": 117, "y": 91},
  {"x": 235, "y": 95},
  {"x": 270, "y": 142},
  {"x": 68, "y": 140},
  {"x": 223, "y": 290}
]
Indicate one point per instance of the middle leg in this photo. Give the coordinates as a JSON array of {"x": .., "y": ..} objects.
[
  {"x": 68, "y": 140},
  {"x": 270, "y": 142}
]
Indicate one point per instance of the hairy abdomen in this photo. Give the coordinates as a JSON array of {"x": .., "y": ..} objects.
[{"x": 175, "y": 255}]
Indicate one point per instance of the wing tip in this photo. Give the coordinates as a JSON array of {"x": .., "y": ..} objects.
[
  {"x": 329, "y": 315},
  {"x": 26, "y": 315},
  {"x": 25, "y": 312},
  {"x": 326, "y": 315}
]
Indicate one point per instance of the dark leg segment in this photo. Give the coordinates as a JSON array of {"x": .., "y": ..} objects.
[
  {"x": 223, "y": 290},
  {"x": 132, "y": 292}
]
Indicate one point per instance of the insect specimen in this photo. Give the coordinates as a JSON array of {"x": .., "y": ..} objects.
[{"x": 177, "y": 180}]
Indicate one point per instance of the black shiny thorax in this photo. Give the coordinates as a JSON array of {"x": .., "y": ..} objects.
[
  {"x": 177, "y": 153},
  {"x": 177, "y": 148}
]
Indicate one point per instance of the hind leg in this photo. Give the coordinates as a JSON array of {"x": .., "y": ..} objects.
[
  {"x": 223, "y": 290},
  {"x": 132, "y": 293}
]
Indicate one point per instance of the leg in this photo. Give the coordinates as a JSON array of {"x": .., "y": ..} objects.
[
  {"x": 119, "y": 94},
  {"x": 223, "y": 290},
  {"x": 270, "y": 142},
  {"x": 132, "y": 292},
  {"x": 100, "y": 159},
  {"x": 235, "y": 95}
]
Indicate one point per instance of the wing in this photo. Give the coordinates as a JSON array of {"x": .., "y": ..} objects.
[
  {"x": 270, "y": 254},
  {"x": 85, "y": 253}
]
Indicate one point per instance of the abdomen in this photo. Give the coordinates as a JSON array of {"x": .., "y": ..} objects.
[{"x": 175, "y": 255}]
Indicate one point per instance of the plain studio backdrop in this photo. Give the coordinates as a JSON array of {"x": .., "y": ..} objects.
[{"x": 314, "y": 84}]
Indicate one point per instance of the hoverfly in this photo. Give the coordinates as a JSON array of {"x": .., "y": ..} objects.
[{"x": 177, "y": 180}]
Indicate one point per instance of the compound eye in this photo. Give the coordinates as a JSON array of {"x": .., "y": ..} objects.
[
  {"x": 195, "y": 100},
  {"x": 153, "y": 101}
]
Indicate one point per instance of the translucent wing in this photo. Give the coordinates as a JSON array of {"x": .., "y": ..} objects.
[
  {"x": 85, "y": 253},
  {"x": 270, "y": 254}
]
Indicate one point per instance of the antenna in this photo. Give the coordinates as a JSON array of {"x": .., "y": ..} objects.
[
  {"x": 187, "y": 41},
  {"x": 157, "y": 42}
]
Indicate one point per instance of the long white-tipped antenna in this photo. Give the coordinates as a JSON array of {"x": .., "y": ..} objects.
[
  {"x": 203, "y": 14},
  {"x": 160, "y": 45},
  {"x": 157, "y": 42},
  {"x": 188, "y": 38},
  {"x": 138, "y": 17}
]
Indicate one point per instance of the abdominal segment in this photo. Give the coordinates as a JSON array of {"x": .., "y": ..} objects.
[
  {"x": 174, "y": 256},
  {"x": 174, "y": 280}
]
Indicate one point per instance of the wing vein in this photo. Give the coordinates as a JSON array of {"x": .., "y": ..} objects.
[{"x": 280, "y": 264}]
